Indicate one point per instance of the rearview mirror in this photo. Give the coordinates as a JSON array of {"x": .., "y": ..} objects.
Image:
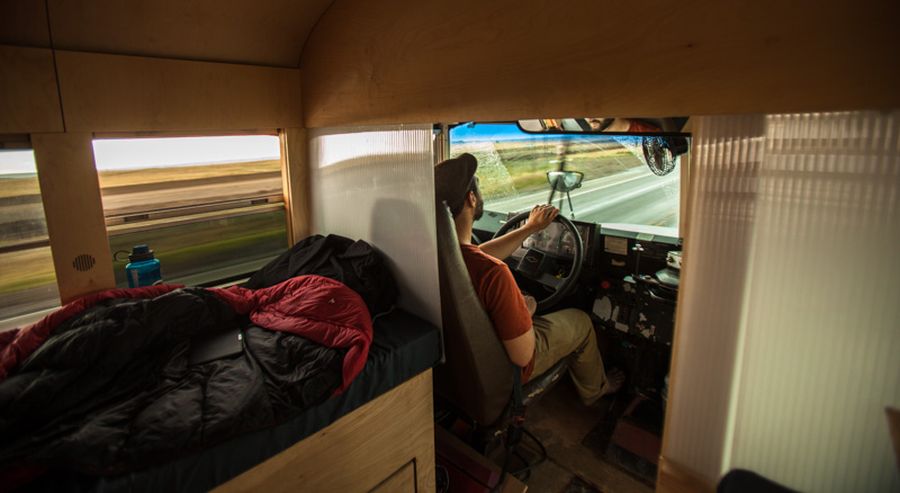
[
  {"x": 661, "y": 140},
  {"x": 565, "y": 181},
  {"x": 631, "y": 126}
]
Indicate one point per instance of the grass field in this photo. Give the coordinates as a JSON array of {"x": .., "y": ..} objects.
[
  {"x": 18, "y": 186},
  {"x": 183, "y": 249},
  {"x": 26, "y": 269},
  {"x": 196, "y": 172},
  {"x": 519, "y": 166},
  {"x": 189, "y": 249}
]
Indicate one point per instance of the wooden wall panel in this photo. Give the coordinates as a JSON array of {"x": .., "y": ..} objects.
[
  {"x": 296, "y": 182},
  {"x": 113, "y": 93},
  {"x": 71, "y": 195},
  {"x": 29, "y": 101},
  {"x": 238, "y": 31},
  {"x": 674, "y": 478},
  {"x": 357, "y": 452},
  {"x": 404, "y": 480},
  {"x": 410, "y": 61},
  {"x": 24, "y": 23}
]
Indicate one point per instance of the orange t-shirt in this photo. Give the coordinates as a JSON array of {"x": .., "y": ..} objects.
[{"x": 496, "y": 288}]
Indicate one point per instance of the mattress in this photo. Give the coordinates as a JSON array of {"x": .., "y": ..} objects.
[{"x": 403, "y": 346}]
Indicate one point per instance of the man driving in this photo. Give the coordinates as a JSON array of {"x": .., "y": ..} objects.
[{"x": 535, "y": 343}]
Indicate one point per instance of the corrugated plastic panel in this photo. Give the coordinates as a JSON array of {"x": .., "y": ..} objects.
[
  {"x": 821, "y": 344},
  {"x": 725, "y": 161},
  {"x": 377, "y": 184},
  {"x": 789, "y": 323}
]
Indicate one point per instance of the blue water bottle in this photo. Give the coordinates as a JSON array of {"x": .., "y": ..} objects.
[{"x": 142, "y": 268}]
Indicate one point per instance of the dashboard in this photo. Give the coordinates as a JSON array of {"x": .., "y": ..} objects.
[{"x": 557, "y": 240}]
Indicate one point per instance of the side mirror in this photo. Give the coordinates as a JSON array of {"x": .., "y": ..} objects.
[{"x": 565, "y": 181}]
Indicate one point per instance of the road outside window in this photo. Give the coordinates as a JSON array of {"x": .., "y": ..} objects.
[
  {"x": 27, "y": 276},
  {"x": 211, "y": 208},
  {"x": 617, "y": 188}
]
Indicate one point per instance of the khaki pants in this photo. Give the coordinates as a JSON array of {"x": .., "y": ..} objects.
[{"x": 562, "y": 333}]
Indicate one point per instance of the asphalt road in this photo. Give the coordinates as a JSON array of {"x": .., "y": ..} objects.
[
  {"x": 634, "y": 196},
  {"x": 24, "y": 213},
  {"x": 123, "y": 203}
]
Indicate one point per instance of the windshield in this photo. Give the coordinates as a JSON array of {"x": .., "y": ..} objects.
[{"x": 618, "y": 188}]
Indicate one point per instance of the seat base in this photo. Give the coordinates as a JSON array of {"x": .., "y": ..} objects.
[{"x": 540, "y": 384}]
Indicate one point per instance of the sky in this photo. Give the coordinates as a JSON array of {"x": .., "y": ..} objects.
[
  {"x": 471, "y": 132},
  {"x": 16, "y": 161},
  {"x": 494, "y": 132},
  {"x": 117, "y": 154}
]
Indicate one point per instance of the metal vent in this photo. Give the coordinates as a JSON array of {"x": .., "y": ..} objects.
[{"x": 84, "y": 262}]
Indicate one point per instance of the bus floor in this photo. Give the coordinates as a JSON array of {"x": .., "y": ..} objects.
[{"x": 575, "y": 462}]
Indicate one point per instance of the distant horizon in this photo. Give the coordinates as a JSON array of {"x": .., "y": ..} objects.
[
  {"x": 17, "y": 162},
  {"x": 130, "y": 154},
  {"x": 169, "y": 152}
]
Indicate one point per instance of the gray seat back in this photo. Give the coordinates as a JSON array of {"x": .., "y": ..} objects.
[{"x": 477, "y": 376}]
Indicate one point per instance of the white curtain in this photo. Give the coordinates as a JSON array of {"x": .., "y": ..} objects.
[{"x": 788, "y": 343}]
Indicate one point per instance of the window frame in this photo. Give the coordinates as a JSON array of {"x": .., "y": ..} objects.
[
  {"x": 684, "y": 172},
  {"x": 197, "y": 213}
]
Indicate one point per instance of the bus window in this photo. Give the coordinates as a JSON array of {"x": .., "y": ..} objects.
[
  {"x": 619, "y": 189},
  {"x": 27, "y": 276},
  {"x": 211, "y": 208}
]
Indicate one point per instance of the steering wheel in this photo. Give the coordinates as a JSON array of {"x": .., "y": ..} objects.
[{"x": 540, "y": 266}]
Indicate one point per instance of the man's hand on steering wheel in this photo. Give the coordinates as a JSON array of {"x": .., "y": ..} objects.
[
  {"x": 540, "y": 217},
  {"x": 536, "y": 264},
  {"x": 502, "y": 246}
]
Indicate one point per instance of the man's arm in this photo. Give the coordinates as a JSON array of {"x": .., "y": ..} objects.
[
  {"x": 509, "y": 313},
  {"x": 541, "y": 216},
  {"x": 521, "y": 349}
]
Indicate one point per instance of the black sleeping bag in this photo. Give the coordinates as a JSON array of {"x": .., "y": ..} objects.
[
  {"x": 112, "y": 389},
  {"x": 355, "y": 263}
]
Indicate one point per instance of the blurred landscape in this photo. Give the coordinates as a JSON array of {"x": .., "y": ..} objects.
[
  {"x": 217, "y": 243},
  {"x": 618, "y": 187},
  {"x": 518, "y": 166}
]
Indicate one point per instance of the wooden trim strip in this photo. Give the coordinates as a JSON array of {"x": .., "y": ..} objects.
[
  {"x": 359, "y": 451},
  {"x": 675, "y": 478},
  {"x": 74, "y": 211},
  {"x": 296, "y": 182}
]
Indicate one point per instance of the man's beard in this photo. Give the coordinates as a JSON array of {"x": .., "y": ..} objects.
[{"x": 479, "y": 208}]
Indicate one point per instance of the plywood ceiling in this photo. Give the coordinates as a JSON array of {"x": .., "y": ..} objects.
[
  {"x": 23, "y": 23},
  {"x": 270, "y": 32},
  {"x": 408, "y": 61}
]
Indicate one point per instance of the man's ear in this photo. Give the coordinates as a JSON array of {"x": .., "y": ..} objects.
[{"x": 471, "y": 199}]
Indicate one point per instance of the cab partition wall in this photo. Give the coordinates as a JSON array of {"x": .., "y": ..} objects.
[
  {"x": 788, "y": 345},
  {"x": 377, "y": 184}
]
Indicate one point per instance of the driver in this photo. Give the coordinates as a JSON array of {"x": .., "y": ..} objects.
[{"x": 535, "y": 343}]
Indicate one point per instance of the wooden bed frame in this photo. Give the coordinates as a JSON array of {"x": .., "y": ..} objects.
[{"x": 386, "y": 445}]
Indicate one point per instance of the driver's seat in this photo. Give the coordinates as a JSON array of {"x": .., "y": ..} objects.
[{"x": 477, "y": 376}]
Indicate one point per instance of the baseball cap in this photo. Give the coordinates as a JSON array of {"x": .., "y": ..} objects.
[{"x": 453, "y": 178}]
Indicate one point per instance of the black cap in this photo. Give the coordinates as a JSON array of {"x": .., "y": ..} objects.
[
  {"x": 453, "y": 178},
  {"x": 140, "y": 252}
]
